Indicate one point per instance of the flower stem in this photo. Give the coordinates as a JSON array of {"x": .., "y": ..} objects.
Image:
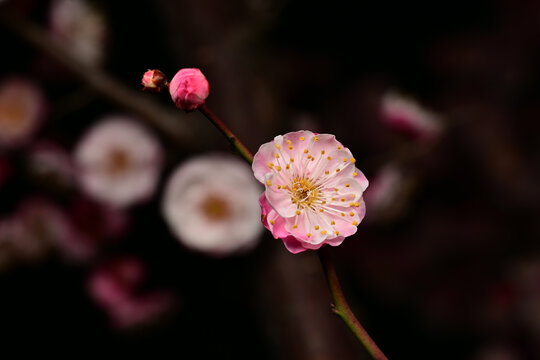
[
  {"x": 342, "y": 309},
  {"x": 237, "y": 144}
]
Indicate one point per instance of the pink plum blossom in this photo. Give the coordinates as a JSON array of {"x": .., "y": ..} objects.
[
  {"x": 406, "y": 115},
  {"x": 22, "y": 106},
  {"x": 119, "y": 161},
  {"x": 189, "y": 89},
  {"x": 81, "y": 27},
  {"x": 313, "y": 190},
  {"x": 210, "y": 204}
]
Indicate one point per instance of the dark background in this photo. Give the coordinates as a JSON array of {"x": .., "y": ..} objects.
[{"x": 440, "y": 278}]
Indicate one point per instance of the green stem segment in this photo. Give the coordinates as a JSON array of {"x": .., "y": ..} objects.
[
  {"x": 237, "y": 144},
  {"x": 342, "y": 309}
]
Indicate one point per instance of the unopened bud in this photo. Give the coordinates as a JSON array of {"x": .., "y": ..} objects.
[
  {"x": 154, "y": 81},
  {"x": 189, "y": 89}
]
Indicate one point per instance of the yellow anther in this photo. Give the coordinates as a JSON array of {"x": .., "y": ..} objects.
[
  {"x": 333, "y": 199},
  {"x": 357, "y": 204},
  {"x": 339, "y": 147},
  {"x": 308, "y": 234},
  {"x": 329, "y": 158},
  {"x": 323, "y": 232},
  {"x": 351, "y": 213},
  {"x": 316, "y": 227},
  {"x": 322, "y": 152},
  {"x": 295, "y": 226},
  {"x": 268, "y": 182},
  {"x": 270, "y": 165},
  {"x": 333, "y": 222},
  {"x": 351, "y": 204},
  {"x": 306, "y": 151},
  {"x": 289, "y": 142},
  {"x": 292, "y": 160},
  {"x": 297, "y": 212},
  {"x": 272, "y": 222},
  {"x": 346, "y": 185},
  {"x": 276, "y": 155},
  {"x": 336, "y": 189},
  {"x": 309, "y": 156},
  {"x": 338, "y": 170},
  {"x": 355, "y": 174},
  {"x": 342, "y": 214},
  {"x": 302, "y": 138},
  {"x": 316, "y": 138},
  {"x": 345, "y": 159},
  {"x": 290, "y": 147},
  {"x": 287, "y": 167},
  {"x": 353, "y": 160},
  {"x": 327, "y": 172},
  {"x": 324, "y": 202},
  {"x": 278, "y": 168},
  {"x": 278, "y": 147},
  {"x": 337, "y": 232},
  {"x": 355, "y": 223},
  {"x": 279, "y": 186},
  {"x": 342, "y": 199}
]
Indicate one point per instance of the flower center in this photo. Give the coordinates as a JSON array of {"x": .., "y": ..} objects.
[
  {"x": 118, "y": 161},
  {"x": 215, "y": 208},
  {"x": 304, "y": 193}
]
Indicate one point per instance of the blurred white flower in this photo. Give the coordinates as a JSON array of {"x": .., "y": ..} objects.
[
  {"x": 211, "y": 203},
  {"x": 406, "y": 115},
  {"x": 21, "y": 109},
  {"x": 119, "y": 161},
  {"x": 81, "y": 27}
]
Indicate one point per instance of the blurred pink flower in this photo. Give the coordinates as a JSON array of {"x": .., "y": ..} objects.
[
  {"x": 115, "y": 286},
  {"x": 119, "y": 161},
  {"x": 189, "y": 89},
  {"x": 210, "y": 204},
  {"x": 81, "y": 28},
  {"x": 22, "y": 107},
  {"x": 313, "y": 190},
  {"x": 406, "y": 115}
]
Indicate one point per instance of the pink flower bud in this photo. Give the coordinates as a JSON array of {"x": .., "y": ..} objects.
[
  {"x": 189, "y": 89},
  {"x": 154, "y": 81}
]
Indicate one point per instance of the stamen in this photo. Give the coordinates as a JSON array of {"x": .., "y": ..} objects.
[
  {"x": 292, "y": 160},
  {"x": 327, "y": 172},
  {"x": 308, "y": 234},
  {"x": 306, "y": 151},
  {"x": 351, "y": 213},
  {"x": 270, "y": 165},
  {"x": 339, "y": 147},
  {"x": 355, "y": 223},
  {"x": 337, "y": 170},
  {"x": 295, "y": 226},
  {"x": 329, "y": 158},
  {"x": 322, "y": 152},
  {"x": 316, "y": 138},
  {"x": 272, "y": 222},
  {"x": 345, "y": 159},
  {"x": 321, "y": 210},
  {"x": 278, "y": 147},
  {"x": 357, "y": 204},
  {"x": 337, "y": 232},
  {"x": 297, "y": 212},
  {"x": 276, "y": 155},
  {"x": 333, "y": 222},
  {"x": 316, "y": 227},
  {"x": 355, "y": 174},
  {"x": 268, "y": 182},
  {"x": 301, "y": 138},
  {"x": 323, "y": 232},
  {"x": 278, "y": 168},
  {"x": 353, "y": 160}
]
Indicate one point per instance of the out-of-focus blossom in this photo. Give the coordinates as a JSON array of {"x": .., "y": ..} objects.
[
  {"x": 52, "y": 165},
  {"x": 388, "y": 193},
  {"x": 189, "y": 89},
  {"x": 313, "y": 190},
  {"x": 18, "y": 244},
  {"x": 406, "y": 115},
  {"x": 81, "y": 28},
  {"x": 119, "y": 161},
  {"x": 154, "y": 81},
  {"x": 210, "y": 204},
  {"x": 115, "y": 286},
  {"x": 22, "y": 107}
]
